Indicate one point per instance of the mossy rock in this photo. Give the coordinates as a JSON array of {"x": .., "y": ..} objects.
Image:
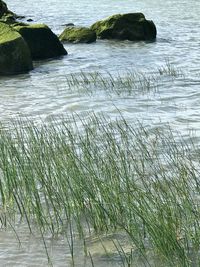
[
  {"x": 131, "y": 26},
  {"x": 3, "y": 8},
  {"x": 8, "y": 18},
  {"x": 43, "y": 43},
  {"x": 78, "y": 35},
  {"x": 14, "y": 53},
  {"x": 5, "y": 14}
]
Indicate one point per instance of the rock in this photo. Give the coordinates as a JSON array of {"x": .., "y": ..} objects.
[
  {"x": 3, "y": 8},
  {"x": 8, "y": 18},
  {"x": 18, "y": 23},
  {"x": 78, "y": 35},
  {"x": 14, "y": 53},
  {"x": 5, "y": 14},
  {"x": 42, "y": 42},
  {"x": 131, "y": 26},
  {"x": 29, "y": 20},
  {"x": 68, "y": 25},
  {"x": 20, "y": 16}
]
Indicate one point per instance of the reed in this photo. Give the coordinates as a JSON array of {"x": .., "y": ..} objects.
[
  {"x": 170, "y": 70},
  {"x": 98, "y": 176},
  {"x": 128, "y": 82}
]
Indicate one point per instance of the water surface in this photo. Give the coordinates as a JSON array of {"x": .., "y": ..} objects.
[{"x": 43, "y": 92}]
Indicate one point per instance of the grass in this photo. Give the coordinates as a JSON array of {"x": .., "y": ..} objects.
[
  {"x": 97, "y": 177},
  {"x": 170, "y": 70},
  {"x": 129, "y": 82}
]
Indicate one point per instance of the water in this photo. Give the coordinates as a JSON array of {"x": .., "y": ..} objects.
[{"x": 43, "y": 92}]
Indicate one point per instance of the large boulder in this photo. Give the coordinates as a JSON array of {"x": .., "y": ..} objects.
[
  {"x": 42, "y": 42},
  {"x": 14, "y": 53},
  {"x": 78, "y": 35},
  {"x": 131, "y": 26}
]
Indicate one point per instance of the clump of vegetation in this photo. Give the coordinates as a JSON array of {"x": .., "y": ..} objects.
[
  {"x": 170, "y": 69},
  {"x": 98, "y": 177},
  {"x": 129, "y": 82}
]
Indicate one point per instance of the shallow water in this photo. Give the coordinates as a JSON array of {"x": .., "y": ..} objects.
[
  {"x": 27, "y": 250},
  {"x": 43, "y": 92}
]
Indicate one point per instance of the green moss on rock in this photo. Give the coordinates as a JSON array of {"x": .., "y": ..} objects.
[
  {"x": 5, "y": 14},
  {"x": 78, "y": 35},
  {"x": 131, "y": 26},
  {"x": 14, "y": 53},
  {"x": 43, "y": 43},
  {"x": 8, "y": 18}
]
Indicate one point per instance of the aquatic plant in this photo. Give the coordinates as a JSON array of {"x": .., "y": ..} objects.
[
  {"x": 128, "y": 82},
  {"x": 96, "y": 177},
  {"x": 170, "y": 69}
]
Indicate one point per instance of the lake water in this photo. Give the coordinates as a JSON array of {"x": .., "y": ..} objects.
[{"x": 43, "y": 92}]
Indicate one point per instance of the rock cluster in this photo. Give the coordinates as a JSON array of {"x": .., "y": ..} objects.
[
  {"x": 22, "y": 43},
  {"x": 131, "y": 26}
]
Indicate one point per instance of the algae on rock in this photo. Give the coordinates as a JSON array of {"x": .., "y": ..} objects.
[
  {"x": 6, "y": 15},
  {"x": 14, "y": 52},
  {"x": 3, "y": 9},
  {"x": 131, "y": 26},
  {"x": 43, "y": 43},
  {"x": 78, "y": 35}
]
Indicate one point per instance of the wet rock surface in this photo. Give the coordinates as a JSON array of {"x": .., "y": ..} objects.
[
  {"x": 131, "y": 26},
  {"x": 78, "y": 35}
]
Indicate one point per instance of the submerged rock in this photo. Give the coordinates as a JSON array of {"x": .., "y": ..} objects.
[
  {"x": 78, "y": 35},
  {"x": 131, "y": 26},
  {"x": 14, "y": 52},
  {"x": 68, "y": 24},
  {"x": 42, "y": 42},
  {"x": 29, "y": 20}
]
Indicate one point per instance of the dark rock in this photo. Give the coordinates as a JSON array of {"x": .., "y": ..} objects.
[
  {"x": 42, "y": 42},
  {"x": 5, "y": 14},
  {"x": 8, "y": 18},
  {"x": 131, "y": 26},
  {"x": 78, "y": 35},
  {"x": 29, "y": 20},
  {"x": 3, "y": 8},
  {"x": 15, "y": 55},
  {"x": 20, "y": 17},
  {"x": 69, "y": 25}
]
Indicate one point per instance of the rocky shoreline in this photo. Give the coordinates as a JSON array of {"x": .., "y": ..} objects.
[{"x": 22, "y": 43}]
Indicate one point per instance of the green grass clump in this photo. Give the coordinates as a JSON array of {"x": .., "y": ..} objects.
[
  {"x": 97, "y": 177},
  {"x": 129, "y": 82},
  {"x": 170, "y": 70}
]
